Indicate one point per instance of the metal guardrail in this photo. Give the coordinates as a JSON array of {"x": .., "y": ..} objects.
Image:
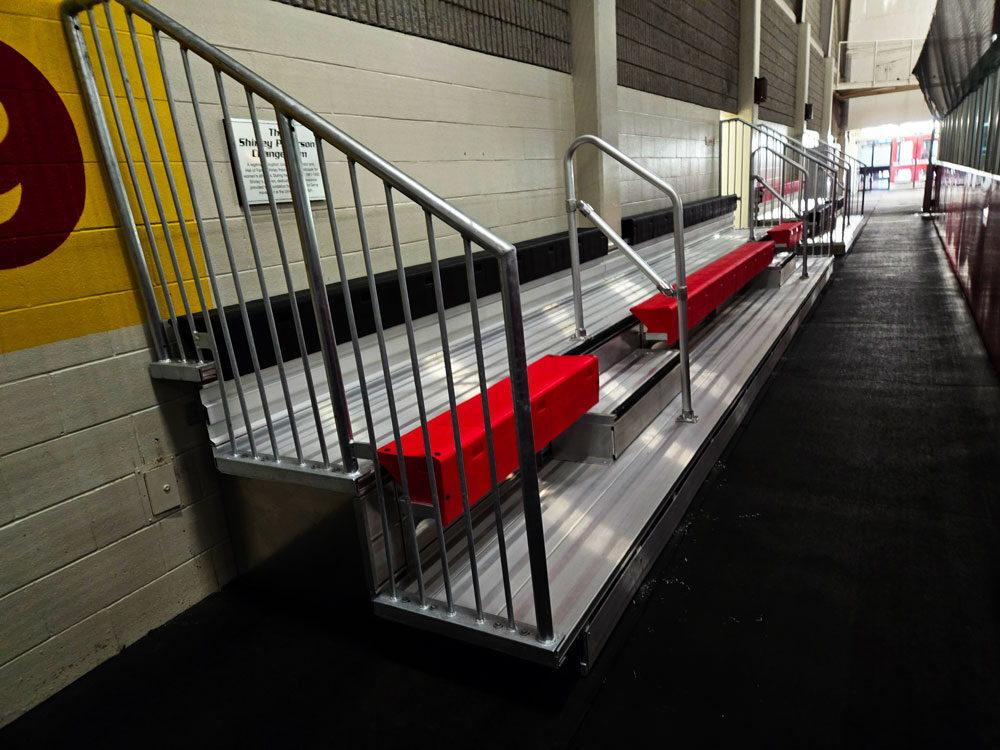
[
  {"x": 740, "y": 143},
  {"x": 679, "y": 292},
  {"x": 799, "y": 214},
  {"x": 288, "y": 441}
]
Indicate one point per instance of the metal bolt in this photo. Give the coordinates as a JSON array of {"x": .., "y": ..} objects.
[{"x": 166, "y": 488}]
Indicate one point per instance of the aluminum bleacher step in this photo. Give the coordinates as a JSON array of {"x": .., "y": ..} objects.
[
  {"x": 562, "y": 389},
  {"x": 638, "y": 380}
]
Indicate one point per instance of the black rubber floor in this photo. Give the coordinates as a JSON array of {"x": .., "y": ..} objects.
[{"x": 835, "y": 584}]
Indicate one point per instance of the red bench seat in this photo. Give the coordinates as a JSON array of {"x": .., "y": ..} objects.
[
  {"x": 708, "y": 288},
  {"x": 563, "y": 389},
  {"x": 788, "y": 234}
]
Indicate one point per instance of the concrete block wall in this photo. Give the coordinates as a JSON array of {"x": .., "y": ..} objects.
[
  {"x": 686, "y": 51},
  {"x": 817, "y": 81},
  {"x": 110, "y": 513},
  {"x": 531, "y": 31},
  {"x": 94, "y": 551},
  {"x": 674, "y": 139},
  {"x": 778, "y": 52},
  {"x": 815, "y": 12},
  {"x": 485, "y": 133}
]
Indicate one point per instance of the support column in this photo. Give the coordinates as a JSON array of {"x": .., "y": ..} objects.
[
  {"x": 801, "y": 82},
  {"x": 749, "y": 58},
  {"x": 826, "y": 123},
  {"x": 594, "y": 47}
]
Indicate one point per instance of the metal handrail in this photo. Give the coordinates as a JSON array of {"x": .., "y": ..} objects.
[
  {"x": 291, "y": 117},
  {"x": 820, "y": 161},
  {"x": 766, "y": 132},
  {"x": 793, "y": 143},
  {"x": 794, "y": 165},
  {"x": 834, "y": 157},
  {"x": 297, "y": 111},
  {"x": 587, "y": 210},
  {"x": 680, "y": 292},
  {"x": 757, "y": 178},
  {"x": 800, "y": 215},
  {"x": 842, "y": 155}
]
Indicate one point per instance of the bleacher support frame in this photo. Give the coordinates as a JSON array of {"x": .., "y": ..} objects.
[{"x": 296, "y": 418}]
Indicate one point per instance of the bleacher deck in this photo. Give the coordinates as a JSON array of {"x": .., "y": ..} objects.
[{"x": 592, "y": 513}]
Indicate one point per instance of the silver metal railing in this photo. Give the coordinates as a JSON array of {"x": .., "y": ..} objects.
[
  {"x": 679, "y": 291},
  {"x": 216, "y": 273},
  {"x": 798, "y": 213},
  {"x": 747, "y": 148},
  {"x": 846, "y": 166}
]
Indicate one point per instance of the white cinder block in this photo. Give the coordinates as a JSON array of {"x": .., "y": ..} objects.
[
  {"x": 61, "y": 599},
  {"x": 191, "y": 530},
  {"x": 37, "y": 545},
  {"x": 115, "y": 510},
  {"x": 129, "y": 339},
  {"x": 45, "y": 474},
  {"x": 109, "y": 388},
  {"x": 166, "y": 597},
  {"x": 164, "y": 431},
  {"x": 29, "y": 416},
  {"x": 51, "y": 666},
  {"x": 42, "y": 359}
]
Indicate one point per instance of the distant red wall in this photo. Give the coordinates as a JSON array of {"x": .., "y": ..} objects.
[{"x": 969, "y": 224}]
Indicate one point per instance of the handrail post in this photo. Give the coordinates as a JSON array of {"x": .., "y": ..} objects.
[
  {"x": 687, "y": 413},
  {"x": 92, "y": 98},
  {"x": 687, "y": 410},
  {"x": 530, "y": 494},
  {"x": 574, "y": 244},
  {"x": 317, "y": 288}
]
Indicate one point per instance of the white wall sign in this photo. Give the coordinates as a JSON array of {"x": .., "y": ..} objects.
[{"x": 251, "y": 173}]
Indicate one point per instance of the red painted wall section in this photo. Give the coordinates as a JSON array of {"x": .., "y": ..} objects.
[{"x": 969, "y": 225}]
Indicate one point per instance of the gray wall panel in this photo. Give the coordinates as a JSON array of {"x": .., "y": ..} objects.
[
  {"x": 531, "y": 31},
  {"x": 679, "y": 49},
  {"x": 817, "y": 66},
  {"x": 778, "y": 46}
]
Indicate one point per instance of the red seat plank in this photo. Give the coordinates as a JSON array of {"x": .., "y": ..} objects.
[
  {"x": 788, "y": 234},
  {"x": 708, "y": 288},
  {"x": 563, "y": 388}
]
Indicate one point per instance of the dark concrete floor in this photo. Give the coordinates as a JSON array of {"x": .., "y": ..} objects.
[{"x": 834, "y": 584}]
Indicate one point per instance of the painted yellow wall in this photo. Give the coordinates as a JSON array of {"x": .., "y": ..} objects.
[{"x": 86, "y": 285}]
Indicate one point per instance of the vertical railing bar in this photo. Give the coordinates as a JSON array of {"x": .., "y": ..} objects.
[
  {"x": 133, "y": 109},
  {"x": 720, "y": 186},
  {"x": 517, "y": 359},
  {"x": 299, "y": 332},
  {"x": 317, "y": 290},
  {"x": 436, "y": 501},
  {"x": 452, "y": 401},
  {"x": 168, "y": 173},
  {"x": 477, "y": 335},
  {"x": 265, "y": 295},
  {"x": 136, "y": 186},
  {"x": 387, "y": 374},
  {"x": 210, "y": 329},
  {"x": 296, "y": 317},
  {"x": 251, "y": 342},
  {"x": 363, "y": 386},
  {"x": 748, "y": 150},
  {"x": 224, "y": 226}
]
